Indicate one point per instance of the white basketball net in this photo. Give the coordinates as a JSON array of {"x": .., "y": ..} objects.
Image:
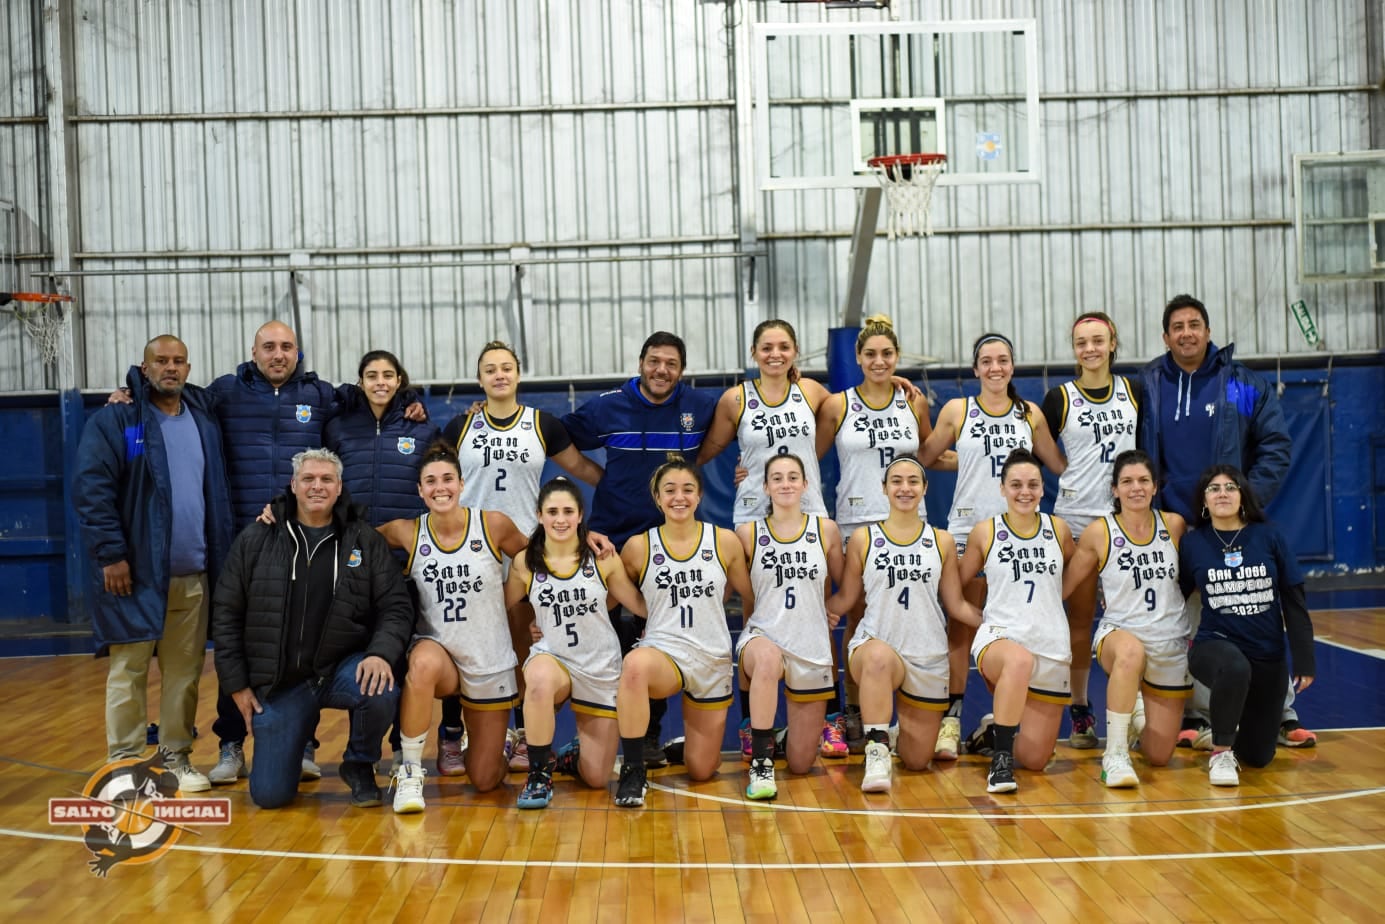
[
  {"x": 45, "y": 324},
  {"x": 909, "y": 195}
]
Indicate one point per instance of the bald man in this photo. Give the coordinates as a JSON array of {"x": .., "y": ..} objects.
[{"x": 151, "y": 498}]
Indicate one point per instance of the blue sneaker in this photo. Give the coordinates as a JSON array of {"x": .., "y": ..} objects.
[
  {"x": 565, "y": 761},
  {"x": 538, "y": 790}
]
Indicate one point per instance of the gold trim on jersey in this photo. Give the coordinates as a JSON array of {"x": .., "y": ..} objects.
[
  {"x": 413, "y": 547},
  {"x": 1038, "y": 528},
  {"x": 769, "y": 528},
  {"x": 466, "y": 528},
  {"x": 490, "y": 540},
  {"x": 895, "y": 542}
]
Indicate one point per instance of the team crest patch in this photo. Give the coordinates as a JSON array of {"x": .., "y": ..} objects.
[
  {"x": 879, "y": 543},
  {"x": 1232, "y": 557},
  {"x": 304, "y": 413},
  {"x": 1122, "y": 397},
  {"x": 856, "y": 407},
  {"x": 1118, "y": 542},
  {"x": 478, "y": 425},
  {"x": 901, "y": 405},
  {"x": 686, "y": 419},
  {"x": 1001, "y": 535},
  {"x": 706, "y": 554},
  {"x": 476, "y": 545},
  {"x": 588, "y": 570},
  {"x": 354, "y": 559},
  {"x": 1078, "y": 402},
  {"x": 974, "y": 412},
  {"x": 797, "y": 397},
  {"x": 753, "y": 403},
  {"x": 926, "y": 542},
  {"x": 526, "y": 425},
  {"x": 540, "y": 578},
  {"x": 406, "y": 445},
  {"x": 425, "y": 550},
  {"x": 1048, "y": 534},
  {"x": 658, "y": 558},
  {"x": 812, "y": 537},
  {"x": 1163, "y": 535},
  {"x": 763, "y": 540}
]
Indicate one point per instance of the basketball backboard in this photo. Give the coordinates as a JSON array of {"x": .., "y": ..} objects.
[
  {"x": 830, "y": 95},
  {"x": 1339, "y": 216}
]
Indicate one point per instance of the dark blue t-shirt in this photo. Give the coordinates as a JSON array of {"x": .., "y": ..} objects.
[{"x": 1241, "y": 585}]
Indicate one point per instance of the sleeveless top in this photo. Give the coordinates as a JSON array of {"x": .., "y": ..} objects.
[
  {"x": 868, "y": 439},
  {"x": 571, "y": 612},
  {"x": 502, "y": 468},
  {"x": 1093, "y": 434},
  {"x": 1140, "y": 583},
  {"x": 901, "y": 590},
  {"x": 1024, "y": 588},
  {"x": 788, "y": 577},
  {"x": 982, "y": 445},
  {"x": 684, "y": 597},
  {"x": 765, "y": 430},
  {"x": 461, "y": 594}
]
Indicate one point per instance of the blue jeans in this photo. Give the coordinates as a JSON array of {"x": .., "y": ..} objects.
[{"x": 288, "y": 720}]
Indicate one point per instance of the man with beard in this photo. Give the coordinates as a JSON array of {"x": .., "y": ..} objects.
[{"x": 151, "y": 497}]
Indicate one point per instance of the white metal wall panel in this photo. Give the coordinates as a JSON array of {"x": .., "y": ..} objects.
[{"x": 373, "y": 132}]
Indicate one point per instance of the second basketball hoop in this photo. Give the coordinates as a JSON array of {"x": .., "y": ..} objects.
[{"x": 908, "y": 180}]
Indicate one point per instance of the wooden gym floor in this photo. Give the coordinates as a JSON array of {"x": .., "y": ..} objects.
[{"x": 1302, "y": 840}]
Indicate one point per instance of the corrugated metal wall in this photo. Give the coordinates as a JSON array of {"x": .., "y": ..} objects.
[{"x": 229, "y": 135}]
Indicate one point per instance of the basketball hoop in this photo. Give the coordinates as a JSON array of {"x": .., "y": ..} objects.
[
  {"x": 908, "y": 181},
  {"x": 45, "y": 322}
]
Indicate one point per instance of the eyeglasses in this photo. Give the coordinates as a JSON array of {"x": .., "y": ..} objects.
[{"x": 1228, "y": 488}]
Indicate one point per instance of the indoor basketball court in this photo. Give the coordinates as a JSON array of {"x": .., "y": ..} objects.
[{"x": 569, "y": 177}]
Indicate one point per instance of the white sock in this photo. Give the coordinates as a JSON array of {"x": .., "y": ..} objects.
[
  {"x": 1117, "y": 731},
  {"x": 412, "y": 748}
]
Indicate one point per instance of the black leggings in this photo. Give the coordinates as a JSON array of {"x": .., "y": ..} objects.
[{"x": 1247, "y": 698}]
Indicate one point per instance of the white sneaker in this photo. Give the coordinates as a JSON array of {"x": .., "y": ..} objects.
[
  {"x": 1117, "y": 772},
  {"x": 310, "y": 770},
  {"x": 878, "y": 768},
  {"x": 1223, "y": 770},
  {"x": 949, "y": 738},
  {"x": 1203, "y": 741},
  {"x": 894, "y": 737},
  {"x": 189, "y": 778},
  {"x": 408, "y": 789},
  {"x": 762, "y": 785},
  {"x": 1137, "y": 720}
]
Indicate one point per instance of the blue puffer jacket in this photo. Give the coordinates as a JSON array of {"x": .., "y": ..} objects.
[
  {"x": 1247, "y": 426},
  {"x": 264, "y": 427},
  {"x": 381, "y": 457},
  {"x": 124, "y": 501}
]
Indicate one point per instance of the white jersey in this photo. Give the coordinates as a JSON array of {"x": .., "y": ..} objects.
[
  {"x": 766, "y": 430},
  {"x": 685, "y": 598},
  {"x": 1024, "y": 588},
  {"x": 1093, "y": 434},
  {"x": 868, "y": 439},
  {"x": 789, "y": 578},
  {"x": 461, "y": 594},
  {"x": 1140, "y": 583},
  {"x": 983, "y": 443},
  {"x": 502, "y": 467},
  {"x": 901, "y": 585},
  {"x": 571, "y": 612}
]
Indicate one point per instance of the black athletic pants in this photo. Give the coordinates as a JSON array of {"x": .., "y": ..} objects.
[{"x": 1247, "y": 698}]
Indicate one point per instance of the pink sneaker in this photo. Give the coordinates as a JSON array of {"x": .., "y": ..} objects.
[
  {"x": 834, "y": 736},
  {"x": 450, "y": 760},
  {"x": 746, "y": 750},
  {"x": 517, "y": 750}
]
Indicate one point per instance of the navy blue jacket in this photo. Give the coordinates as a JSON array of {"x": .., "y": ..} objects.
[
  {"x": 264, "y": 427},
  {"x": 124, "y": 501},
  {"x": 637, "y": 435},
  {"x": 380, "y": 458},
  {"x": 1248, "y": 428}
]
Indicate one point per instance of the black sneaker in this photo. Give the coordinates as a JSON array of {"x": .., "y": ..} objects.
[
  {"x": 982, "y": 741},
  {"x": 567, "y": 758},
  {"x": 1002, "y": 775},
  {"x": 855, "y": 730},
  {"x": 654, "y": 756},
  {"x": 360, "y": 776},
  {"x": 673, "y": 750},
  {"x": 632, "y": 787}
]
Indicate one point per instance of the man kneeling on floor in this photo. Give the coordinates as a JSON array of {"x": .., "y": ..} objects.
[{"x": 310, "y": 613}]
